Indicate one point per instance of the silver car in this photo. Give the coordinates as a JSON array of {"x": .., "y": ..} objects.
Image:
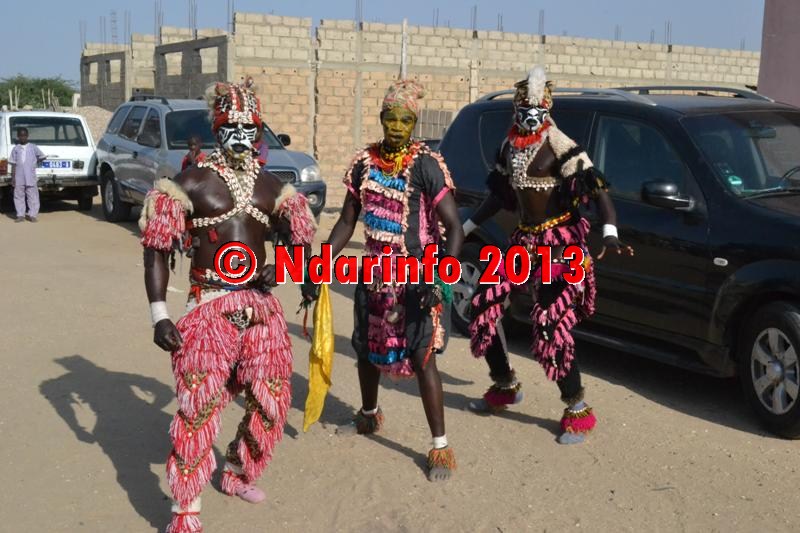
[{"x": 148, "y": 137}]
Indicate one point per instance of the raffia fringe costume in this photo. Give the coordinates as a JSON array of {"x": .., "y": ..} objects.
[
  {"x": 559, "y": 306},
  {"x": 399, "y": 212},
  {"x": 233, "y": 341}
]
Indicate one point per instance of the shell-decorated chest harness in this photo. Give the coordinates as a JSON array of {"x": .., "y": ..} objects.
[
  {"x": 523, "y": 150},
  {"x": 241, "y": 184}
]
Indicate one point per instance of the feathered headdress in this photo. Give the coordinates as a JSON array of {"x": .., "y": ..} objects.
[
  {"x": 534, "y": 89},
  {"x": 404, "y": 93},
  {"x": 233, "y": 103}
]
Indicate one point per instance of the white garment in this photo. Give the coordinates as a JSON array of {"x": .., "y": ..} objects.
[{"x": 23, "y": 153}]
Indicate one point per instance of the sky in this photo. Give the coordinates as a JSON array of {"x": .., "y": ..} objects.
[{"x": 48, "y": 31}]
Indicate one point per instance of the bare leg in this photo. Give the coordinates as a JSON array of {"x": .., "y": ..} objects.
[
  {"x": 430, "y": 388},
  {"x": 441, "y": 460},
  {"x": 369, "y": 378}
]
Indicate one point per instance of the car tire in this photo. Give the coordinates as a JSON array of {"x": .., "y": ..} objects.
[
  {"x": 86, "y": 198},
  {"x": 114, "y": 209},
  {"x": 464, "y": 289},
  {"x": 769, "y": 367}
]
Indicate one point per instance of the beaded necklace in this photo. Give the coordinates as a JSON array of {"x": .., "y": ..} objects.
[
  {"x": 241, "y": 184},
  {"x": 385, "y": 193},
  {"x": 392, "y": 162},
  {"x": 523, "y": 152}
]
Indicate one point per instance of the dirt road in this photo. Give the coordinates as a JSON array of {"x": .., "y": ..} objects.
[{"x": 87, "y": 400}]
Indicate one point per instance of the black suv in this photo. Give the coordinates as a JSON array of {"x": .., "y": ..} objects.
[{"x": 707, "y": 191}]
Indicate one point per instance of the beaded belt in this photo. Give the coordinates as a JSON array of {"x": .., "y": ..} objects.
[{"x": 547, "y": 224}]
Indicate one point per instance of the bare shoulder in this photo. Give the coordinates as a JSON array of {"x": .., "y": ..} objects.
[{"x": 194, "y": 179}]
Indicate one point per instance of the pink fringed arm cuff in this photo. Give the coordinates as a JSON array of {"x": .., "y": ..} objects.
[
  {"x": 293, "y": 206},
  {"x": 163, "y": 219}
]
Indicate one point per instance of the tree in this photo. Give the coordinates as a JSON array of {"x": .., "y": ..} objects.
[{"x": 32, "y": 91}]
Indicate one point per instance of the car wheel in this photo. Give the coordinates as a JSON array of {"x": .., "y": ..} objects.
[
  {"x": 464, "y": 289},
  {"x": 769, "y": 368},
  {"x": 114, "y": 209}
]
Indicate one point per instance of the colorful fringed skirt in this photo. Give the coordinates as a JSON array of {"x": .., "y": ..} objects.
[{"x": 390, "y": 327}]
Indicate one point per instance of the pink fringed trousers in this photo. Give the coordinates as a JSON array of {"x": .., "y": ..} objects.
[{"x": 217, "y": 361}]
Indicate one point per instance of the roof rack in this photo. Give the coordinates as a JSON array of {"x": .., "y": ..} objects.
[
  {"x": 701, "y": 90},
  {"x": 145, "y": 97},
  {"x": 626, "y": 95}
]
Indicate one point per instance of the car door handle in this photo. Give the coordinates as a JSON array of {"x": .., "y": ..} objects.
[
  {"x": 113, "y": 149},
  {"x": 135, "y": 154}
]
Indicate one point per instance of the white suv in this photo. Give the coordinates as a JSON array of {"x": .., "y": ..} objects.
[{"x": 68, "y": 171}]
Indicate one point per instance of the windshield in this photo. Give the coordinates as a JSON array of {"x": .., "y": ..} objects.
[
  {"x": 181, "y": 125},
  {"x": 50, "y": 131},
  {"x": 750, "y": 151}
]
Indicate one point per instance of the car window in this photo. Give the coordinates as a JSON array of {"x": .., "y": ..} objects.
[
  {"x": 749, "y": 151},
  {"x": 130, "y": 128},
  {"x": 181, "y": 125},
  {"x": 116, "y": 120},
  {"x": 575, "y": 124},
  {"x": 494, "y": 126},
  {"x": 271, "y": 140},
  {"x": 50, "y": 130},
  {"x": 630, "y": 153},
  {"x": 151, "y": 131}
]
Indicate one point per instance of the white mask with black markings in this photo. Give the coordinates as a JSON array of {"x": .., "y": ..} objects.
[
  {"x": 237, "y": 140},
  {"x": 530, "y": 118}
]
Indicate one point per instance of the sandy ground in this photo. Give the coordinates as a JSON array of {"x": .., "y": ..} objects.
[{"x": 87, "y": 399}]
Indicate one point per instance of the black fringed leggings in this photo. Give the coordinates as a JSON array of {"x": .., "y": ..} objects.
[{"x": 497, "y": 354}]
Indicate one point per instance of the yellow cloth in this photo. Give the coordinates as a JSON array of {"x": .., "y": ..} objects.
[{"x": 320, "y": 359}]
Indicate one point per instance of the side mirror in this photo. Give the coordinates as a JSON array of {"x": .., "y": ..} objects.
[
  {"x": 666, "y": 194},
  {"x": 284, "y": 139}
]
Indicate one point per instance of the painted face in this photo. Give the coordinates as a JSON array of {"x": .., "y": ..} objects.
[
  {"x": 237, "y": 140},
  {"x": 398, "y": 125},
  {"x": 529, "y": 118}
]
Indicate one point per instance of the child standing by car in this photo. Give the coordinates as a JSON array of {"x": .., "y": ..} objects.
[
  {"x": 195, "y": 155},
  {"x": 25, "y": 157}
]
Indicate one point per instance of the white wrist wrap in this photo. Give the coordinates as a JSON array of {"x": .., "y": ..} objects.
[
  {"x": 158, "y": 311},
  {"x": 440, "y": 442},
  {"x": 610, "y": 230},
  {"x": 469, "y": 225}
]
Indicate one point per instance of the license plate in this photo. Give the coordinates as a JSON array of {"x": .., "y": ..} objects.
[{"x": 56, "y": 164}]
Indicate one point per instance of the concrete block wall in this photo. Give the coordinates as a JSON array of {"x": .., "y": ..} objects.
[
  {"x": 105, "y": 79},
  {"x": 200, "y": 63},
  {"x": 130, "y": 70},
  {"x": 325, "y": 90},
  {"x": 143, "y": 75},
  {"x": 278, "y": 53}
]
